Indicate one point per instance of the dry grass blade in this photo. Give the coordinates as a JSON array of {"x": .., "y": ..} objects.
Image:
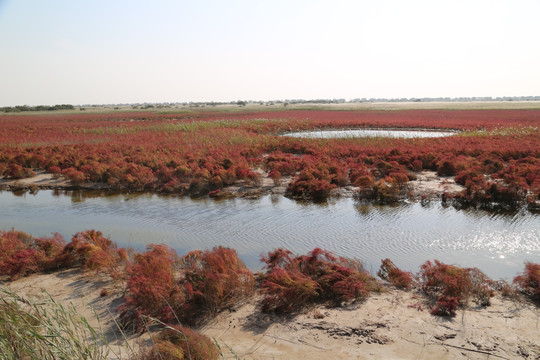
[{"x": 46, "y": 330}]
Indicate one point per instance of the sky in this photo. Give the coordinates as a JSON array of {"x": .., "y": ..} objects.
[{"x": 111, "y": 52}]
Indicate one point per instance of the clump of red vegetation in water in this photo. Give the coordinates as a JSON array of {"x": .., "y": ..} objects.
[
  {"x": 529, "y": 282},
  {"x": 163, "y": 286},
  {"x": 394, "y": 275},
  {"x": 292, "y": 282},
  {"x": 453, "y": 286}
]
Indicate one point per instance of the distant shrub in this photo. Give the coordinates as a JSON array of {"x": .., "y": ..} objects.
[
  {"x": 292, "y": 282},
  {"x": 311, "y": 184},
  {"x": 453, "y": 286},
  {"x": 467, "y": 176},
  {"x": 137, "y": 177},
  {"x": 361, "y": 176},
  {"x": 275, "y": 176},
  {"x": 529, "y": 282},
  {"x": 394, "y": 275},
  {"x": 75, "y": 176},
  {"x": 364, "y": 181},
  {"x": 16, "y": 171},
  {"x": 179, "y": 343},
  {"x": 416, "y": 165},
  {"x": 382, "y": 192},
  {"x": 447, "y": 167},
  {"x": 284, "y": 163},
  {"x": 399, "y": 178},
  {"x": 55, "y": 170}
]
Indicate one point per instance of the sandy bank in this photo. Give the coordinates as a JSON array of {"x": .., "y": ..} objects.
[{"x": 391, "y": 325}]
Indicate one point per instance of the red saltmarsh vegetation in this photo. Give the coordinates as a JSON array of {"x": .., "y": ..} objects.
[
  {"x": 292, "y": 282},
  {"x": 179, "y": 343},
  {"x": 497, "y": 157},
  {"x": 21, "y": 254},
  {"x": 394, "y": 275},
  {"x": 453, "y": 286},
  {"x": 529, "y": 282},
  {"x": 163, "y": 286},
  {"x": 90, "y": 250}
]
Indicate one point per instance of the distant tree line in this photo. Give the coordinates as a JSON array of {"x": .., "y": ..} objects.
[
  {"x": 22, "y": 108},
  {"x": 285, "y": 102},
  {"x": 450, "y": 99}
]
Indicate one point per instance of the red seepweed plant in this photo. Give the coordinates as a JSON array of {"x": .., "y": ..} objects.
[
  {"x": 160, "y": 285},
  {"x": 214, "y": 280},
  {"x": 22, "y": 254},
  {"x": 292, "y": 282},
  {"x": 453, "y": 286},
  {"x": 394, "y": 275},
  {"x": 529, "y": 281},
  {"x": 151, "y": 288},
  {"x": 203, "y": 152},
  {"x": 90, "y": 250}
]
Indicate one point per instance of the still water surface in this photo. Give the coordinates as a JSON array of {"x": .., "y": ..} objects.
[
  {"x": 352, "y": 133},
  {"x": 409, "y": 234}
]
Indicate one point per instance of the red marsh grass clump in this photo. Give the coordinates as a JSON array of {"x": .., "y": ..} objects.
[
  {"x": 453, "y": 287},
  {"x": 199, "y": 153},
  {"x": 163, "y": 286},
  {"x": 22, "y": 254},
  {"x": 90, "y": 250},
  {"x": 394, "y": 275},
  {"x": 292, "y": 282},
  {"x": 529, "y": 282}
]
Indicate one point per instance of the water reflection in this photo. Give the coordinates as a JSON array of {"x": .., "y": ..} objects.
[
  {"x": 357, "y": 133},
  {"x": 496, "y": 242}
]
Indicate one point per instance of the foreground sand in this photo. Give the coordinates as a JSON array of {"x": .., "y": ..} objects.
[{"x": 391, "y": 325}]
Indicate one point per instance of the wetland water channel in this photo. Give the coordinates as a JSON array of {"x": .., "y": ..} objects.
[{"x": 409, "y": 234}]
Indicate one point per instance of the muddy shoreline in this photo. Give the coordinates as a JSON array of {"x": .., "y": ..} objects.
[{"x": 427, "y": 186}]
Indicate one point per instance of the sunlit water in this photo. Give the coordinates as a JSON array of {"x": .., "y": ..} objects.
[
  {"x": 409, "y": 234},
  {"x": 356, "y": 133}
]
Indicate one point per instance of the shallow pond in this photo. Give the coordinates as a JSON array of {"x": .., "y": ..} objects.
[
  {"x": 409, "y": 234},
  {"x": 357, "y": 133}
]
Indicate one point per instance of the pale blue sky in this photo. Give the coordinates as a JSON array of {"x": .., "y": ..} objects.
[{"x": 104, "y": 51}]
